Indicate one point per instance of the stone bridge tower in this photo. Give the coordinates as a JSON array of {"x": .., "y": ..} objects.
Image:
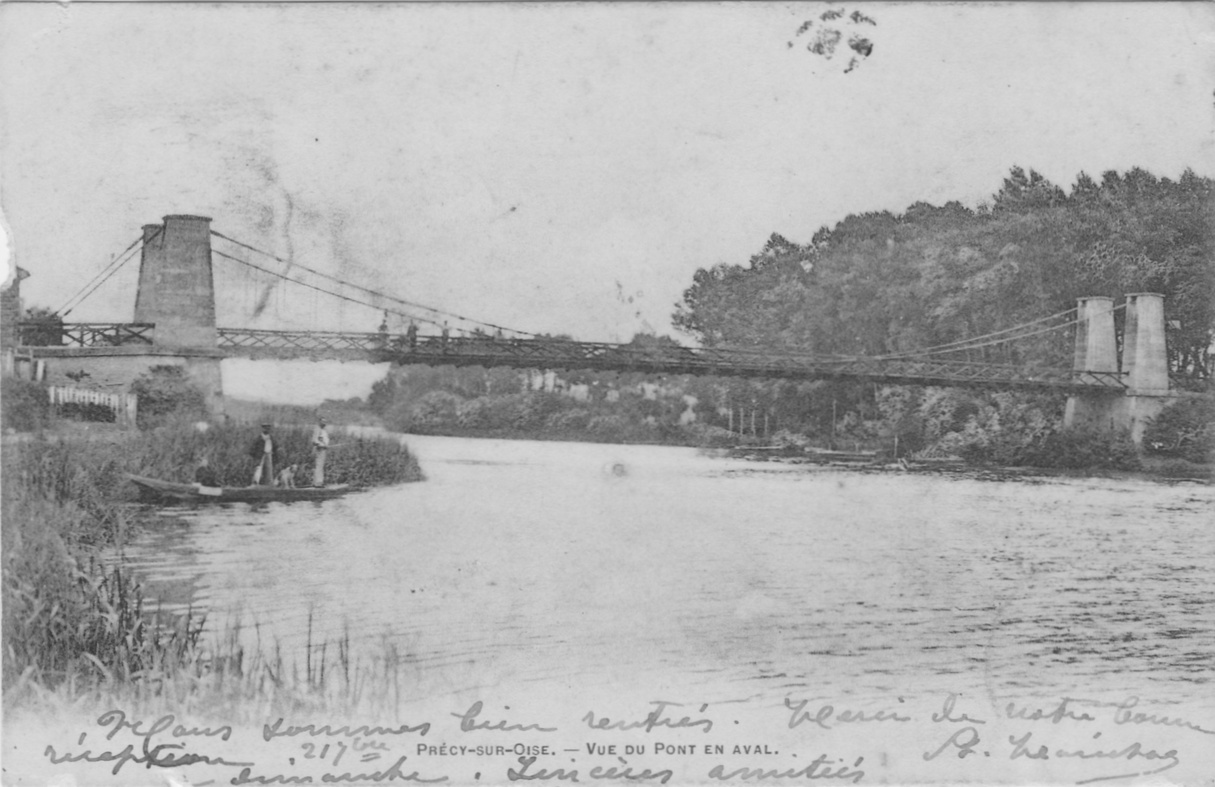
[
  {"x": 1145, "y": 364},
  {"x": 177, "y": 293}
]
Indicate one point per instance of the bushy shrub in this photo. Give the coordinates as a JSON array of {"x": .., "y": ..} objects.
[
  {"x": 1184, "y": 430},
  {"x": 1083, "y": 448},
  {"x": 946, "y": 410},
  {"x": 435, "y": 411},
  {"x": 87, "y": 411},
  {"x": 712, "y": 436},
  {"x": 787, "y": 439},
  {"x": 1065, "y": 448},
  {"x": 575, "y": 420},
  {"x": 538, "y": 407},
  {"x": 171, "y": 452},
  {"x": 26, "y": 404},
  {"x": 165, "y": 392},
  {"x": 608, "y": 426}
]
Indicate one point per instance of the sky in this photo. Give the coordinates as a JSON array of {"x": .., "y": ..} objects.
[{"x": 558, "y": 168}]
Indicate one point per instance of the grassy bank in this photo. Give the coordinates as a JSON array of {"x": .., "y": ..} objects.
[{"x": 67, "y": 620}]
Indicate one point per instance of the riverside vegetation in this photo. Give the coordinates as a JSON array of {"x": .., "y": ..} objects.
[{"x": 73, "y": 626}]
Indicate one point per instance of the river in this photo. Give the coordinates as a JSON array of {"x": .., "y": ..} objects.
[{"x": 578, "y": 565}]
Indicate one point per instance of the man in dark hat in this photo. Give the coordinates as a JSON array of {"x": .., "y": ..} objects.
[{"x": 264, "y": 451}]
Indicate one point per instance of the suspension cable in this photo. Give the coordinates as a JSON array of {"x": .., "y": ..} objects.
[
  {"x": 972, "y": 339},
  {"x": 377, "y": 293},
  {"x": 1038, "y": 332},
  {"x": 116, "y": 268},
  {"x": 284, "y": 277},
  {"x": 107, "y": 271}
]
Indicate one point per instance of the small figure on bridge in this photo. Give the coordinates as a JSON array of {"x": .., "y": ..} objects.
[
  {"x": 265, "y": 451},
  {"x": 411, "y": 334},
  {"x": 445, "y": 335},
  {"x": 320, "y": 448},
  {"x": 384, "y": 332}
]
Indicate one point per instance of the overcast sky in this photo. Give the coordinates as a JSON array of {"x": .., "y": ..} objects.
[{"x": 560, "y": 168}]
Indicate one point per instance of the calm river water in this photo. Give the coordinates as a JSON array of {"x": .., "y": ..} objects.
[{"x": 601, "y": 565}]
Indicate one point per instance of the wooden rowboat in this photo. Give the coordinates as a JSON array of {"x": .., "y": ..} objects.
[{"x": 194, "y": 493}]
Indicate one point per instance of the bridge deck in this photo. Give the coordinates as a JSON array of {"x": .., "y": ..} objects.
[{"x": 573, "y": 355}]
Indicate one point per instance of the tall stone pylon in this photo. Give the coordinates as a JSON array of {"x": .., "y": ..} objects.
[
  {"x": 1145, "y": 357},
  {"x": 176, "y": 285},
  {"x": 177, "y": 293},
  {"x": 1145, "y": 365},
  {"x": 1096, "y": 350}
]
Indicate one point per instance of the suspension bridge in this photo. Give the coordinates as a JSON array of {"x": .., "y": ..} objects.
[{"x": 175, "y": 310}]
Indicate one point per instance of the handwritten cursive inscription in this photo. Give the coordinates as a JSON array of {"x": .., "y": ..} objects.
[
  {"x": 469, "y": 723},
  {"x": 1124, "y": 715},
  {"x": 277, "y": 730},
  {"x": 1082, "y": 741},
  {"x": 525, "y": 773},
  {"x": 149, "y": 758},
  {"x": 162, "y": 755},
  {"x": 826, "y": 714},
  {"x": 654, "y": 719},
  {"x": 947, "y": 709},
  {"x": 815, "y": 770},
  {"x": 119, "y": 721},
  {"x": 392, "y": 773},
  {"x": 1059, "y": 713},
  {"x": 1135, "y": 750}
]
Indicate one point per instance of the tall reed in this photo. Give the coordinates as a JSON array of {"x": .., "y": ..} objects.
[{"x": 68, "y": 619}]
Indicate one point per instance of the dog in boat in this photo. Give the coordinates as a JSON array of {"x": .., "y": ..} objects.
[{"x": 286, "y": 477}]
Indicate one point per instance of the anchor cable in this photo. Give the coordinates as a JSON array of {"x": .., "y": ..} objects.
[
  {"x": 1013, "y": 338},
  {"x": 377, "y": 293},
  {"x": 957, "y": 344},
  {"x": 109, "y": 270},
  {"x": 284, "y": 277}
]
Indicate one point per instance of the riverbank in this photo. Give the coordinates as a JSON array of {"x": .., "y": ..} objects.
[
  {"x": 1149, "y": 467},
  {"x": 66, "y": 617},
  {"x": 1048, "y": 452}
]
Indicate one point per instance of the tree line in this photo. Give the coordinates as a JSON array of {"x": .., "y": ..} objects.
[{"x": 880, "y": 283}]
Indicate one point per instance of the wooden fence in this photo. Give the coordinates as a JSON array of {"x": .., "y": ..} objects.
[{"x": 124, "y": 405}]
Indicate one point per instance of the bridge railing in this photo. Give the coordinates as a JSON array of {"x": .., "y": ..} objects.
[
  {"x": 301, "y": 341},
  {"x": 659, "y": 359},
  {"x": 84, "y": 334},
  {"x": 569, "y": 354}
]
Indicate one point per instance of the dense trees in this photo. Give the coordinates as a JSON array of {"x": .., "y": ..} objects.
[
  {"x": 883, "y": 283},
  {"x": 880, "y": 283}
]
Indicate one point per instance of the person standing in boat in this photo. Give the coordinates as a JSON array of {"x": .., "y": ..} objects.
[
  {"x": 265, "y": 451},
  {"x": 320, "y": 447}
]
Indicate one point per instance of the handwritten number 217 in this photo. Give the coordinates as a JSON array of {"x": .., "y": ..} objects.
[{"x": 310, "y": 752}]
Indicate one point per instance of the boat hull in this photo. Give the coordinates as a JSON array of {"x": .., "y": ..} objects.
[{"x": 172, "y": 491}]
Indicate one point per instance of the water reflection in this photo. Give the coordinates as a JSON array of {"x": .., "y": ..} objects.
[{"x": 597, "y": 564}]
